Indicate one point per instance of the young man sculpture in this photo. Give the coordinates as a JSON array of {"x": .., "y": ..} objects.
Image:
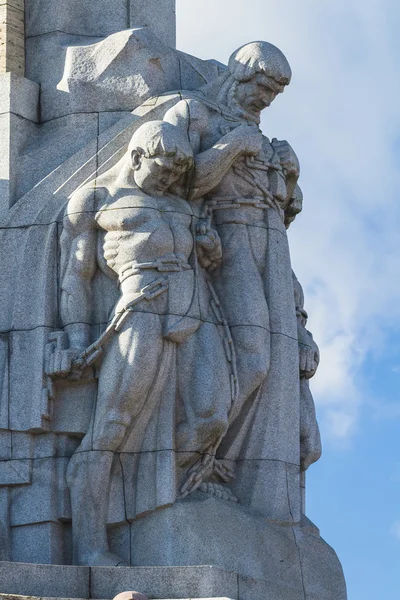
[{"x": 138, "y": 232}]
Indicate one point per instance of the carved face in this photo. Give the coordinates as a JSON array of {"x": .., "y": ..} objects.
[
  {"x": 156, "y": 175},
  {"x": 257, "y": 93}
]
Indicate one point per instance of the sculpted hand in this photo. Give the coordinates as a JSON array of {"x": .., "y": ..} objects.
[
  {"x": 209, "y": 249},
  {"x": 287, "y": 157},
  {"x": 308, "y": 353},
  {"x": 308, "y": 361},
  {"x": 59, "y": 359},
  {"x": 250, "y": 139}
]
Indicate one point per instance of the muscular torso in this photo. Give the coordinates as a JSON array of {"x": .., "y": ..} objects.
[{"x": 134, "y": 228}]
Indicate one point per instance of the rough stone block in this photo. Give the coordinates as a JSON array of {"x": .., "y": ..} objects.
[
  {"x": 322, "y": 572},
  {"x": 72, "y": 408},
  {"x": 50, "y": 145},
  {"x": 181, "y": 534},
  {"x": 161, "y": 582},
  {"x": 108, "y": 119},
  {"x": 43, "y": 543},
  {"x": 43, "y": 246},
  {"x": 257, "y": 589},
  {"x": 46, "y": 499},
  {"x": 12, "y": 38},
  {"x": 77, "y": 17},
  {"x": 4, "y": 389},
  {"x": 52, "y": 581},
  {"x": 158, "y": 15},
  {"x": 15, "y": 472},
  {"x": 5, "y": 445},
  {"x": 5, "y": 546},
  {"x": 114, "y": 74},
  {"x": 22, "y": 445},
  {"x": 46, "y": 56},
  {"x": 19, "y": 95},
  {"x": 27, "y": 366},
  {"x": 15, "y": 132},
  {"x": 269, "y": 487},
  {"x": 118, "y": 73}
]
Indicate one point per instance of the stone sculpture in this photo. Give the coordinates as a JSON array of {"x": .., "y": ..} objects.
[
  {"x": 169, "y": 412},
  {"x": 141, "y": 235}
]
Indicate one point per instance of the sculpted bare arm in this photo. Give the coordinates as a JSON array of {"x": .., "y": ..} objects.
[
  {"x": 78, "y": 266},
  {"x": 212, "y": 164}
]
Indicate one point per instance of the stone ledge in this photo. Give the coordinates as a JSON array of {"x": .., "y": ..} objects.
[
  {"x": 18, "y": 580},
  {"x": 19, "y": 96},
  {"x": 16, "y": 597}
]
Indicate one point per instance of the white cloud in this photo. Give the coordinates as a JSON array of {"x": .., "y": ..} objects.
[{"x": 341, "y": 116}]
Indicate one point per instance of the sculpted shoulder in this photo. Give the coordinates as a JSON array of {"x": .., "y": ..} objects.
[
  {"x": 192, "y": 116},
  {"x": 81, "y": 209}
]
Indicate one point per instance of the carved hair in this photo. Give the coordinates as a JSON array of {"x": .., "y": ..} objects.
[
  {"x": 159, "y": 138},
  {"x": 260, "y": 57}
]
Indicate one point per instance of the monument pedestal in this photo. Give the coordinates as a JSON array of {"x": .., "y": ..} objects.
[
  {"x": 321, "y": 579},
  {"x": 274, "y": 561},
  {"x": 251, "y": 558}
]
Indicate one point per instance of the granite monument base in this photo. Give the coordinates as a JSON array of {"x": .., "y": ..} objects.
[
  {"x": 251, "y": 558},
  {"x": 274, "y": 561}
]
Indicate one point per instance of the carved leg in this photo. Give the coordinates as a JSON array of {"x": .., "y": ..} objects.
[
  {"x": 127, "y": 373},
  {"x": 240, "y": 287},
  {"x": 87, "y": 477},
  {"x": 206, "y": 394}
]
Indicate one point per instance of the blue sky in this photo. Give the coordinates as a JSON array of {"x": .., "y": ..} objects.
[{"x": 342, "y": 116}]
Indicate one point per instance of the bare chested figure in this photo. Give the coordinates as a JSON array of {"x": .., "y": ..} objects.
[{"x": 139, "y": 233}]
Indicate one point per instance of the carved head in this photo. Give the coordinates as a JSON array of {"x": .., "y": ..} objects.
[
  {"x": 160, "y": 154},
  {"x": 261, "y": 72}
]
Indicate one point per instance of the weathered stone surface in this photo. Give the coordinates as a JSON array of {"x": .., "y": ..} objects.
[
  {"x": 159, "y": 582},
  {"x": 159, "y": 15},
  {"x": 54, "y": 142},
  {"x": 117, "y": 73},
  {"x": 44, "y": 580},
  {"x": 15, "y": 131},
  {"x": 181, "y": 535},
  {"x": 77, "y": 17},
  {"x": 12, "y": 37},
  {"x": 100, "y": 18},
  {"x": 137, "y": 596},
  {"x": 19, "y": 96},
  {"x": 154, "y": 355}
]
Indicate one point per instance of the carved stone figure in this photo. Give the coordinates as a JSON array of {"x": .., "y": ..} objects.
[
  {"x": 310, "y": 439},
  {"x": 247, "y": 182},
  {"x": 154, "y": 357},
  {"x": 141, "y": 234}
]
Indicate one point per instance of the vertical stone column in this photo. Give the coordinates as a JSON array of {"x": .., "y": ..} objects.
[
  {"x": 158, "y": 15},
  {"x": 12, "y": 37},
  {"x": 18, "y": 98}
]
